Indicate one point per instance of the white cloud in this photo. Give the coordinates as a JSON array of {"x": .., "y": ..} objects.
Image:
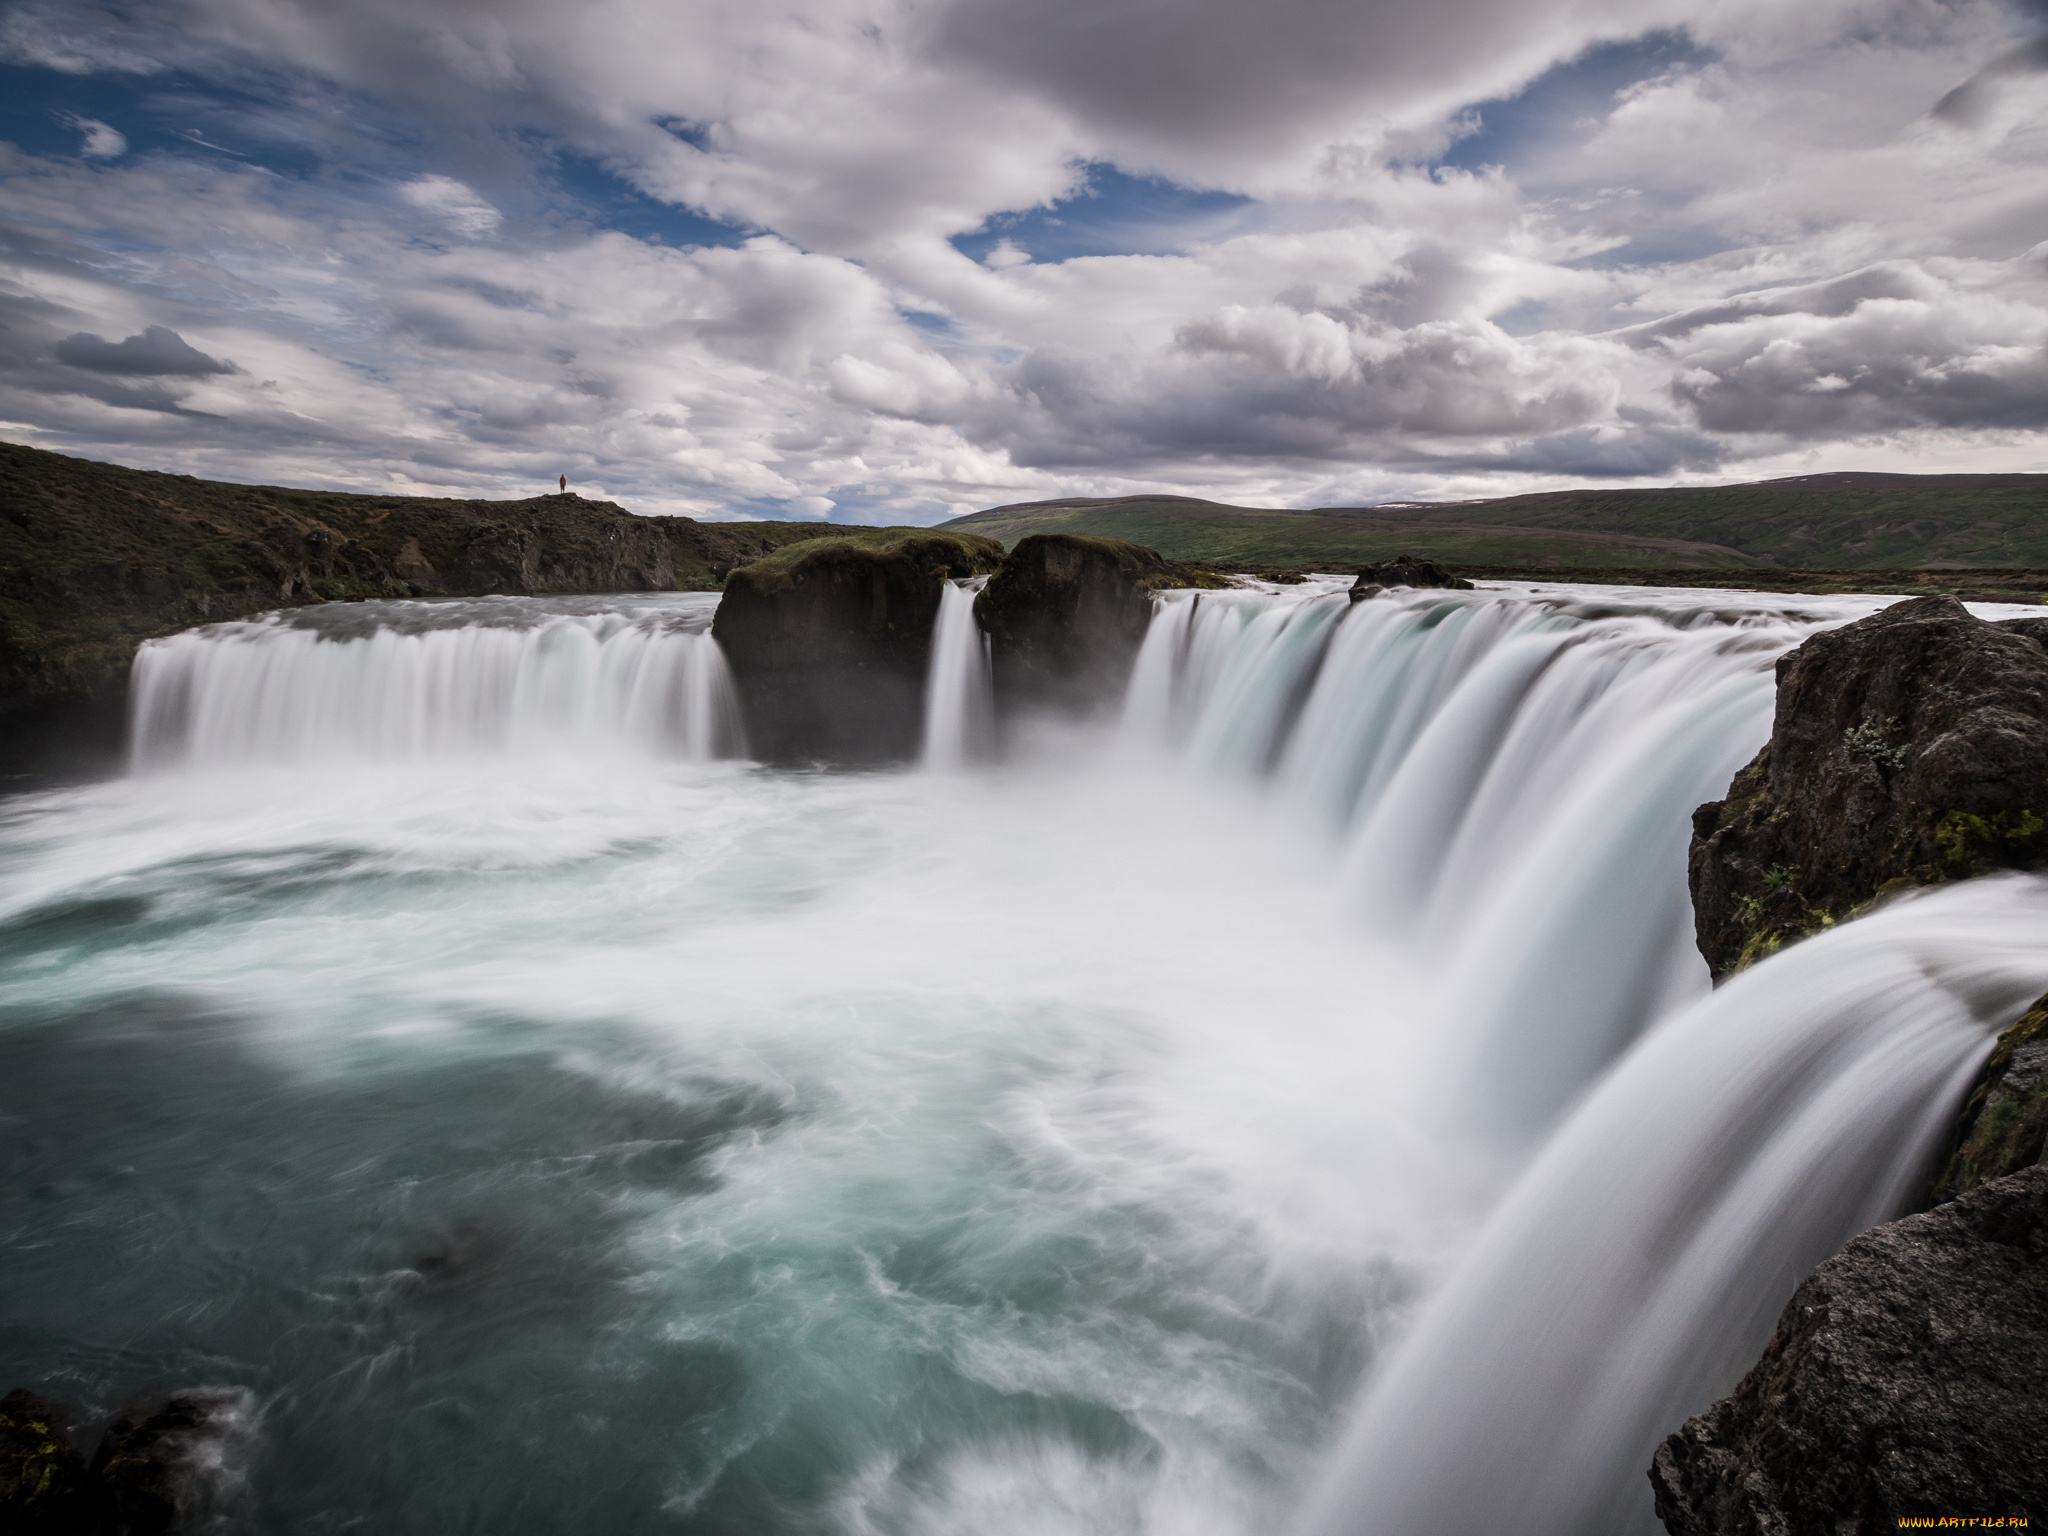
[
  {"x": 465, "y": 212},
  {"x": 1765, "y": 248},
  {"x": 98, "y": 140}
]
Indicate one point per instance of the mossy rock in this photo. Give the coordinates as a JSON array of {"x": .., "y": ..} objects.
[
  {"x": 2004, "y": 1124},
  {"x": 44, "y": 1487},
  {"x": 1908, "y": 749}
]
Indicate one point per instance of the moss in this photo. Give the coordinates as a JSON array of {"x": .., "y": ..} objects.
[
  {"x": 957, "y": 553},
  {"x": 1969, "y": 842},
  {"x": 39, "y": 1468}
]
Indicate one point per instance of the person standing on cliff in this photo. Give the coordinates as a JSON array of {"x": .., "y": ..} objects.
[{"x": 563, "y": 482}]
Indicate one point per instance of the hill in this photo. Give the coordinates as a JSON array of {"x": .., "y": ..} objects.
[
  {"x": 95, "y": 558},
  {"x": 1811, "y": 522}
]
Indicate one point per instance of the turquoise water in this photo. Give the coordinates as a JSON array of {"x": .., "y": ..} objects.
[{"x": 629, "y": 1146}]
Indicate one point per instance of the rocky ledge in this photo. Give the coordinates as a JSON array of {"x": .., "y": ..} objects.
[
  {"x": 829, "y": 641},
  {"x": 1909, "y": 748},
  {"x": 1065, "y": 617},
  {"x": 1404, "y": 571},
  {"x": 1906, "y": 1378}
]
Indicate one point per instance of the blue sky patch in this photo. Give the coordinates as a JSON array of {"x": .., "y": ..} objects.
[
  {"x": 1546, "y": 113},
  {"x": 1116, "y": 214}
]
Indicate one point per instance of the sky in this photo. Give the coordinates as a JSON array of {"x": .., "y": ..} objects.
[{"x": 897, "y": 260}]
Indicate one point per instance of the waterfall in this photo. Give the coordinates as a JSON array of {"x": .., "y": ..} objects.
[
  {"x": 1509, "y": 780},
  {"x": 1330, "y": 1034},
  {"x": 958, "y": 713},
  {"x": 1635, "y": 1271},
  {"x": 400, "y": 681}
]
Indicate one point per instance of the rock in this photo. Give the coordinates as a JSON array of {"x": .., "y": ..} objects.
[
  {"x": 44, "y": 1488},
  {"x": 2004, "y": 1125},
  {"x": 1905, "y": 1380},
  {"x": 1404, "y": 571},
  {"x": 151, "y": 1468},
  {"x": 1909, "y": 748},
  {"x": 1065, "y": 617},
  {"x": 829, "y": 641}
]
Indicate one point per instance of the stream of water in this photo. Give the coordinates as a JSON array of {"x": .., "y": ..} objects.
[{"x": 1264, "y": 1114}]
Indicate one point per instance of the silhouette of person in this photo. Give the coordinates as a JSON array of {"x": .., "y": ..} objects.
[{"x": 563, "y": 482}]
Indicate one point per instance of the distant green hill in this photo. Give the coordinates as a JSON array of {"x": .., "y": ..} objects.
[{"x": 1812, "y": 522}]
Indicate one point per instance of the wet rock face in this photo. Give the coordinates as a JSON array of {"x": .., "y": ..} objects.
[
  {"x": 1065, "y": 617},
  {"x": 829, "y": 643},
  {"x": 1905, "y": 1379},
  {"x": 1404, "y": 571},
  {"x": 1909, "y": 748}
]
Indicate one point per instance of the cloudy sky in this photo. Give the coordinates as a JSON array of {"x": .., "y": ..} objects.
[{"x": 892, "y": 260}]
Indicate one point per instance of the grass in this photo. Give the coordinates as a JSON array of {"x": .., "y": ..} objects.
[{"x": 1815, "y": 522}]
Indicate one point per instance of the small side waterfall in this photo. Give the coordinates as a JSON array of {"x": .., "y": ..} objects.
[
  {"x": 412, "y": 680},
  {"x": 1637, "y": 1268},
  {"x": 958, "y": 714}
]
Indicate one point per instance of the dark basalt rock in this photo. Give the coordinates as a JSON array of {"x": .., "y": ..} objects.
[
  {"x": 1065, "y": 617},
  {"x": 1909, "y": 748},
  {"x": 1905, "y": 1379},
  {"x": 829, "y": 641},
  {"x": 149, "y": 1468},
  {"x": 2004, "y": 1126},
  {"x": 1404, "y": 571}
]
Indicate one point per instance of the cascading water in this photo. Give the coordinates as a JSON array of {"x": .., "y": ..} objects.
[
  {"x": 407, "y": 680},
  {"x": 548, "y": 1129},
  {"x": 1636, "y": 1270},
  {"x": 958, "y": 709}
]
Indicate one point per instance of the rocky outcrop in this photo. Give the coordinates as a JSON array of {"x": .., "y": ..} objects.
[
  {"x": 150, "y": 1468},
  {"x": 2004, "y": 1126},
  {"x": 1404, "y": 571},
  {"x": 829, "y": 641},
  {"x": 1065, "y": 617},
  {"x": 1905, "y": 1379},
  {"x": 1909, "y": 748},
  {"x": 95, "y": 559}
]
